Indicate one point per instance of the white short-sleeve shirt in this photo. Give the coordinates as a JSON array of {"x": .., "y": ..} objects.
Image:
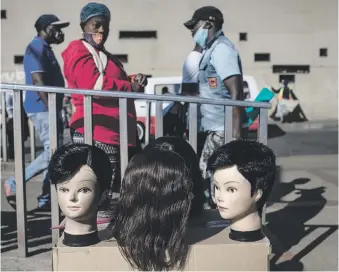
[{"x": 190, "y": 70}]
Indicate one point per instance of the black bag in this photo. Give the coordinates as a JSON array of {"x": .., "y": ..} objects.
[{"x": 174, "y": 121}]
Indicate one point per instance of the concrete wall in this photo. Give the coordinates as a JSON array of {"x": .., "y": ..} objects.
[{"x": 292, "y": 31}]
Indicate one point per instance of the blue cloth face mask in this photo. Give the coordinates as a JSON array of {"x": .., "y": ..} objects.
[
  {"x": 200, "y": 37},
  {"x": 89, "y": 38}
]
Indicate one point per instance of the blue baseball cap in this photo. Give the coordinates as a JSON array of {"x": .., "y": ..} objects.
[
  {"x": 49, "y": 19},
  {"x": 93, "y": 9}
]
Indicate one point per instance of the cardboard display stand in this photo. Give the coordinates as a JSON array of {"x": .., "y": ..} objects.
[{"x": 209, "y": 244}]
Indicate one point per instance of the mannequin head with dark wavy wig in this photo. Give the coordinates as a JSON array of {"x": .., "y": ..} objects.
[
  {"x": 156, "y": 199},
  {"x": 80, "y": 173},
  {"x": 185, "y": 150}
]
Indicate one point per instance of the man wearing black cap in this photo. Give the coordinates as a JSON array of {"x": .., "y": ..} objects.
[
  {"x": 220, "y": 76},
  {"x": 42, "y": 69}
]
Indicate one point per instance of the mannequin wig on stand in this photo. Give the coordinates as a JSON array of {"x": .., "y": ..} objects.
[
  {"x": 156, "y": 200},
  {"x": 68, "y": 159},
  {"x": 185, "y": 150}
]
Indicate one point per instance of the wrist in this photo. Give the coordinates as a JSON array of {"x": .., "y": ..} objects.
[{"x": 134, "y": 87}]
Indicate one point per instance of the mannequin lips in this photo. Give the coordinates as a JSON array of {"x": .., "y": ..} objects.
[
  {"x": 222, "y": 209},
  {"x": 74, "y": 208}
]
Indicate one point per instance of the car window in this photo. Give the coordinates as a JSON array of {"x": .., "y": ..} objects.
[{"x": 164, "y": 89}]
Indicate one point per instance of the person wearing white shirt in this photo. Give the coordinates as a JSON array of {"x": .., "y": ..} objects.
[
  {"x": 190, "y": 80},
  {"x": 190, "y": 70},
  {"x": 190, "y": 84}
]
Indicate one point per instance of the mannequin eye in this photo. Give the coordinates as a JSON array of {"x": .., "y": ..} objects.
[
  {"x": 216, "y": 187},
  {"x": 63, "y": 190},
  {"x": 231, "y": 190},
  {"x": 85, "y": 190}
]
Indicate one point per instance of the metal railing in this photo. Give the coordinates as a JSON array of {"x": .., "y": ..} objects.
[{"x": 88, "y": 135}]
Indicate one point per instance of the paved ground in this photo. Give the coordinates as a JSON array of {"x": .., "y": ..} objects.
[{"x": 302, "y": 212}]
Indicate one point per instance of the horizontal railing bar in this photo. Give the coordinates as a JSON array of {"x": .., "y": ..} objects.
[{"x": 116, "y": 94}]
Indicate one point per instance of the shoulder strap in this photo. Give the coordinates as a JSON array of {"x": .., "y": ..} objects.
[{"x": 100, "y": 61}]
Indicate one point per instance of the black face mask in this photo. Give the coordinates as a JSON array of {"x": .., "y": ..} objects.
[
  {"x": 55, "y": 35},
  {"x": 59, "y": 37}
]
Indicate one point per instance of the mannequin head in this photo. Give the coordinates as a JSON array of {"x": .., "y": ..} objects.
[
  {"x": 78, "y": 198},
  {"x": 156, "y": 199},
  {"x": 80, "y": 174},
  {"x": 243, "y": 174},
  {"x": 185, "y": 150}
]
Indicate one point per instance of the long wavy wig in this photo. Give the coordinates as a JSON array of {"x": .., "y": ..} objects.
[
  {"x": 185, "y": 150},
  {"x": 156, "y": 199}
]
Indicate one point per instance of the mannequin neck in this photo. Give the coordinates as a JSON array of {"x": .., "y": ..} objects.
[
  {"x": 81, "y": 227},
  {"x": 249, "y": 222}
]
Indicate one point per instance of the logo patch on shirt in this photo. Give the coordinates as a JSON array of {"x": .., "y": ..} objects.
[{"x": 212, "y": 82}]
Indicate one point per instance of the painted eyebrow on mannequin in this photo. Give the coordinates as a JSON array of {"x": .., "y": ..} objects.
[
  {"x": 227, "y": 182},
  {"x": 84, "y": 180}
]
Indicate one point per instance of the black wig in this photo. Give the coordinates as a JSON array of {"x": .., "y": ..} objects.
[
  {"x": 185, "y": 150},
  {"x": 156, "y": 197},
  {"x": 69, "y": 158},
  {"x": 254, "y": 160}
]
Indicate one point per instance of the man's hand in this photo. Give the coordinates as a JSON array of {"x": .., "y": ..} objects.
[
  {"x": 141, "y": 79},
  {"x": 38, "y": 80},
  {"x": 235, "y": 87}
]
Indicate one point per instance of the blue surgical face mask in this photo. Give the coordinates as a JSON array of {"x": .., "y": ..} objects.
[
  {"x": 200, "y": 37},
  {"x": 89, "y": 38}
]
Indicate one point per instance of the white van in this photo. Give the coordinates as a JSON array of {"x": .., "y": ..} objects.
[{"x": 171, "y": 85}]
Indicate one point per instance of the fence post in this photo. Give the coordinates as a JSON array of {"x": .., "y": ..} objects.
[
  {"x": 263, "y": 123},
  {"x": 159, "y": 127},
  {"x": 228, "y": 126},
  {"x": 32, "y": 138},
  {"x": 262, "y": 137},
  {"x": 20, "y": 174},
  {"x": 193, "y": 125},
  {"x": 88, "y": 120},
  {"x": 4, "y": 127},
  {"x": 123, "y": 135},
  {"x": 53, "y": 138},
  {"x": 148, "y": 122}
]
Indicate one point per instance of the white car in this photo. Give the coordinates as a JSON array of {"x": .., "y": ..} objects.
[{"x": 170, "y": 85}]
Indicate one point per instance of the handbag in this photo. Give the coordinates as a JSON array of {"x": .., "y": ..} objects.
[{"x": 252, "y": 113}]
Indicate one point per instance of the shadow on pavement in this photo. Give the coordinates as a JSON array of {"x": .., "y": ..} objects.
[
  {"x": 289, "y": 227},
  {"x": 273, "y": 131},
  {"x": 38, "y": 232}
]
